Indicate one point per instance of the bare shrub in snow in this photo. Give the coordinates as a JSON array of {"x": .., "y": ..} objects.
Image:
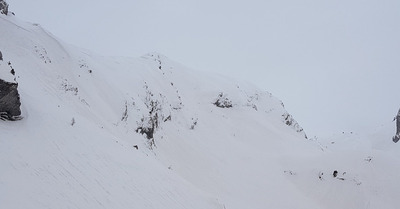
[
  {"x": 150, "y": 122},
  {"x": 125, "y": 114},
  {"x": 69, "y": 88},
  {"x": 194, "y": 120}
]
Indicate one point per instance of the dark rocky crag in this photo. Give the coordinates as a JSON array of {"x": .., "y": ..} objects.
[
  {"x": 9, "y": 98},
  {"x": 396, "y": 138},
  {"x": 9, "y": 101},
  {"x": 3, "y": 7}
]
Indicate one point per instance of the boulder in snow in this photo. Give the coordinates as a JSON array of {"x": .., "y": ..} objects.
[
  {"x": 3, "y": 7},
  {"x": 9, "y": 101}
]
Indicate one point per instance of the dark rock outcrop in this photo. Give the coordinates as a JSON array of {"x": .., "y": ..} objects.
[
  {"x": 3, "y": 7},
  {"x": 9, "y": 101},
  {"x": 396, "y": 138},
  {"x": 290, "y": 121},
  {"x": 222, "y": 101}
]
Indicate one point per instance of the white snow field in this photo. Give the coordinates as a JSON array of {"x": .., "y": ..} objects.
[{"x": 120, "y": 132}]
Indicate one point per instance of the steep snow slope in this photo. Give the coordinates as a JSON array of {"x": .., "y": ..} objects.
[
  {"x": 101, "y": 132},
  {"x": 74, "y": 147},
  {"x": 46, "y": 162}
]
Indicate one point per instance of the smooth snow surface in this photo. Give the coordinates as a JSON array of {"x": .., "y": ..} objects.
[{"x": 75, "y": 146}]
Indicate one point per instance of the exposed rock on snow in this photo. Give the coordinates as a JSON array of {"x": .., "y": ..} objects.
[
  {"x": 396, "y": 138},
  {"x": 222, "y": 101},
  {"x": 9, "y": 101},
  {"x": 290, "y": 121},
  {"x": 9, "y": 96},
  {"x": 3, "y": 7},
  {"x": 156, "y": 57}
]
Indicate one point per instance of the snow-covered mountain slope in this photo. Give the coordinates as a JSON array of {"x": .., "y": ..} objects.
[{"x": 101, "y": 132}]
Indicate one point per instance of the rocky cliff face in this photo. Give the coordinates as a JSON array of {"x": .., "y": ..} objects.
[
  {"x": 9, "y": 96},
  {"x": 3, "y": 7},
  {"x": 9, "y": 101}
]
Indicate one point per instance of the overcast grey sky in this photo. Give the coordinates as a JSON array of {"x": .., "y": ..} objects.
[{"x": 335, "y": 64}]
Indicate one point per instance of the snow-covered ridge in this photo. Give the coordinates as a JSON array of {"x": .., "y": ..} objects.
[
  {"x": 72, "y": 98},
  {"x": 106, "y": 132},
  {"x": 140, "y": 85}
]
